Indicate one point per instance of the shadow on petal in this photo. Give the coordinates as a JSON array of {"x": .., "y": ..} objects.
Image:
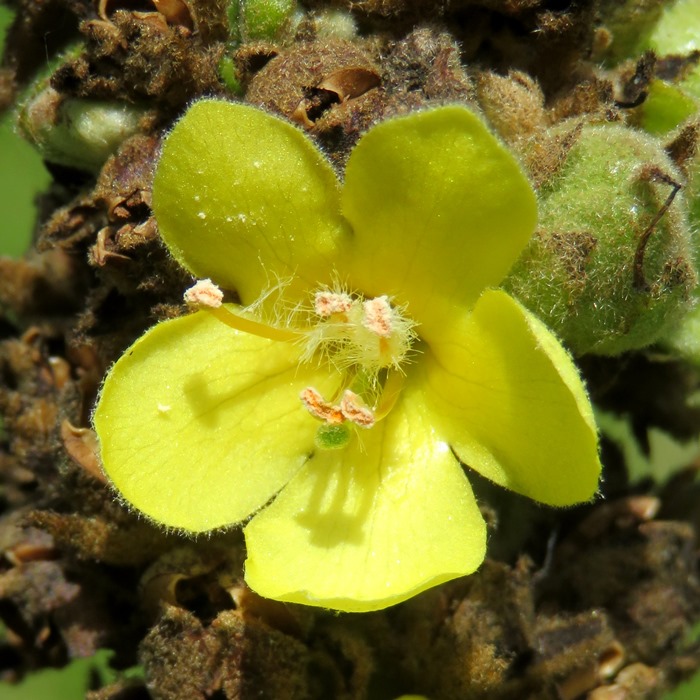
[{"x": 334, "y": 514}]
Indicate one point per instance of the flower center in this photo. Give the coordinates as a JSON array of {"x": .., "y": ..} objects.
[
  {"x": 352, "y": 331},
  {"x": 367, "y": 340}
]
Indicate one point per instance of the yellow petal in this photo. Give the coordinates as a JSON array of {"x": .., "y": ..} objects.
[
  {"x": 200, "y": 425},
  {"x": 246, "y": 199},
  {"x": 440, "y": 210},
  {"x": 371, "y": 525},
  {"x": 511, "y": 404}
]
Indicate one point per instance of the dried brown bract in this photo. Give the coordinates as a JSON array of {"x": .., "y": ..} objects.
[
  {"x": 331, "y": 87},
  {"x": 131, "y": 58}
]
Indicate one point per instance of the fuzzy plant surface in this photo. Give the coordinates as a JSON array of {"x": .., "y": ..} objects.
[
  {"x": 256, "y": 20},
  {"x": 610, "y": 268},
  {"x": 670, "y": 107},
  {"x": 71, "y": 131},
  {"x": 370, "y": 354}
]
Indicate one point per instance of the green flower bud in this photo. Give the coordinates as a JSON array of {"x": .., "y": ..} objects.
[
  {"x": 610, "y": 266},
  {"x": 79, "y": 133},
  {"x": 258, "y": 20},
  {"x": 684, "y": 339}
]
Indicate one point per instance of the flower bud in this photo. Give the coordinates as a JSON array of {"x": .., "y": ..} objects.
[
  {"x": 258, "y": 20},
  {"x": 610, "y": 267},
  {"x": 78, "y": 133}
]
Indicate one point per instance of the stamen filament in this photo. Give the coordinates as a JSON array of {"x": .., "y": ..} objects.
[
  {"x": 247, "y": 325},
  {"x": 392, "y": 390}
]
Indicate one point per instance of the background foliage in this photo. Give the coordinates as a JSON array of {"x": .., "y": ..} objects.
[{"x": 22, "y": 177}]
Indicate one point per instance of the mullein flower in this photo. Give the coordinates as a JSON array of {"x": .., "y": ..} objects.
[{"x": 370, "y": 354}]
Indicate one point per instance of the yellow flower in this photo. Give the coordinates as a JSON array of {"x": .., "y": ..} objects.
[{"x": 370, "y": 355}]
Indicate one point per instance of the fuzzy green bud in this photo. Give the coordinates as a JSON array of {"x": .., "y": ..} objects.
[
  {"x": 228, "y": 73},
  {"x": 684, "y": 339},
  {"x": 610, "y": 266},
  {"x": 258, "y": 20},
  {"x": 78, "y": 133}
]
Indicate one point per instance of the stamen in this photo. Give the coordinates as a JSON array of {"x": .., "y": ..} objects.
[
  {"x": 366, "y": 340},
  {"x": 378, "y": 316},
  {"x": 207, "y": 296},
  {"x": 204, "y": 294},
  {"x": 355, "y": 411},
  {"x": 317, "y": 407},
  {"x": 326, "y": 304}
]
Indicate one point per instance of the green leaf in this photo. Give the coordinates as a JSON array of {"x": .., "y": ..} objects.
[{"x": 665, "y": 107}]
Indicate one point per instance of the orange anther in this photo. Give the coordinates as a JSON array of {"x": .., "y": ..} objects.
[
  {"x": 204, "y": 294},
  {"x": 317, "y": 407},
  {"x": 328, "y": 303},
  {"x": 355, "y": 411},
  {"x": 378, "y": 316}
]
